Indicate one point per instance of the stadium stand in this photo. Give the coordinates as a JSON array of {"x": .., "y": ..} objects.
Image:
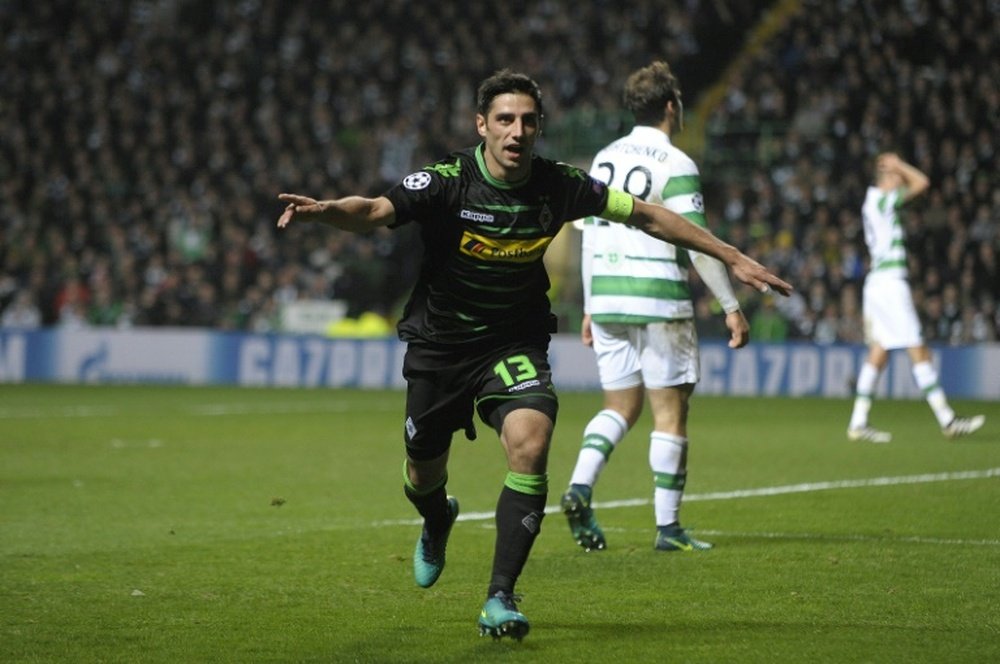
[
  {"x": 792, "y": 140},
  {"x": 144, "y": 143}
]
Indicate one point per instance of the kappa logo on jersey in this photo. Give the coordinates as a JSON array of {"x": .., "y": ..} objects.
[
  {"x": 481, "y": 217},
  {"x": 417, "y": 181},
  {"x": 509, "y": 251}
]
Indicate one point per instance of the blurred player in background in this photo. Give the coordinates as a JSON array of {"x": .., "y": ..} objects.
[
  {"x": 890, "y": 317},
  {"x": 639, "y": 316}
]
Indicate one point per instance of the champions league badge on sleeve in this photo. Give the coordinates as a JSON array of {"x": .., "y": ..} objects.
[
  {"x": 417, "y": 181},
  {"x": 698, "y": 202}
]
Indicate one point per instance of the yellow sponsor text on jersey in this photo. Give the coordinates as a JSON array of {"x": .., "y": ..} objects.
[{"x": 503, "y": 250}]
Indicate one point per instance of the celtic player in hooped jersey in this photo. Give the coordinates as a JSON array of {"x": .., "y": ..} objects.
[
  {"x": 890, "y": 317},
  {"x": 639, "y": 316},
  {"x": 477, "y": 323}
]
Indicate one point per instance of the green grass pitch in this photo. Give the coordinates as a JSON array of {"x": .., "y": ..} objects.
[{"x": 173, "y": 524}]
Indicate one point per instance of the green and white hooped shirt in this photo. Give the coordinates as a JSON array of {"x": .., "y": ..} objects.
[
  {"x": 630, "y": 277},
  {"x": 884, "y": 233}
]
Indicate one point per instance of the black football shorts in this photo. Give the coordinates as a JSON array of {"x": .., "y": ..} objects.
[{"x": 444, "y": 386}]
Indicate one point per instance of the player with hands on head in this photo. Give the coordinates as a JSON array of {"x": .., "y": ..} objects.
[{"x": 890, "y": 317}]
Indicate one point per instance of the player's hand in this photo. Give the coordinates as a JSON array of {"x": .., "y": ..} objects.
[
  {"x": 757, "y": 276},
  {"x": 888, "y": 161},
  {"x": 298, "y": 206},
  {"x": 739, "y": 329},
  {"x": 586, "y": 333}
]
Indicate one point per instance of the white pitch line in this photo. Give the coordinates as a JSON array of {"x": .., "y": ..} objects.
[
  {"x": 206, "y": 410},
  {"x": 816, "y": 486},
  {"x": 213, "y": 410},
  {"x": 852, "y": 538},
  {"x": 66, "y": 411},
  {"x": 756, "y": 493}
]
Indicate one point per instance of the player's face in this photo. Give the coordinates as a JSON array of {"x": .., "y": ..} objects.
[
  {"x": 509, "y": 132},
  {"x": 889, "y": 179}
]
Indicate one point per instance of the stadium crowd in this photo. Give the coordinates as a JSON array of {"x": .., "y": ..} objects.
[
  {"x": 144, "y": 143},
  {"x": 799, "y": 126}
]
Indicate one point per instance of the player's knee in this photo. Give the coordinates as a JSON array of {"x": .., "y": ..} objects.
[
  {"x": 529, "y": 457},
  {"x": 427, "y": 447},
  {"x": 526, "y": 437}
]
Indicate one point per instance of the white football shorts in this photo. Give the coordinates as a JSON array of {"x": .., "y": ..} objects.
[
  {"x": 890, "y": 318},
  {"x": 656, "y": 355}
]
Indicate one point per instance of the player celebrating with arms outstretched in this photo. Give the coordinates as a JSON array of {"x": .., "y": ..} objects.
[{"x": 478, "y": 320}]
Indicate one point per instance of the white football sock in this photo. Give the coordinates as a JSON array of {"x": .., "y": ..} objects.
[
  {"x": 668, "y": 460},
  {"x": 927, "y": 380},
  {"x": 867, "y": 379},
  {"x": 604, "y": 431}
]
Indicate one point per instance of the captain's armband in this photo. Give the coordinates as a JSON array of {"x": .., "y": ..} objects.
[{"x": 619, "y": 207}]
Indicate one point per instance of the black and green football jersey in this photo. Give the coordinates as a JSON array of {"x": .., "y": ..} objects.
[{"x": 482, "y": 276}]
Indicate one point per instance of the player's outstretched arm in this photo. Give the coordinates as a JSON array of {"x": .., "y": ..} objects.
[
  {"x": 669, "y": 226},
  {"x": 351, "y": 213}
]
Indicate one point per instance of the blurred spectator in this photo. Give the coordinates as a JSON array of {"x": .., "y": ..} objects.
[
  {"x": 22, "y": 313},
  {"x": 767, "y": 324},
  {"x": 826, "y": 329},
  {"x": 104, "y": 308}
]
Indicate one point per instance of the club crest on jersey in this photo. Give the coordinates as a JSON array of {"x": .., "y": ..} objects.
[
  {"x": 612, "y": 258},
  {"x": 417, "y": 181},
  {"x": 545, "y": 217}
]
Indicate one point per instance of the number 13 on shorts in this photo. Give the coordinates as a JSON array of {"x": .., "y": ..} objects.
[{"x": 515, "y": 369}]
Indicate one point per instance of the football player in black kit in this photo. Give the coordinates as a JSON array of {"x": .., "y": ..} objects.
[{"x": 478, "y": 321}]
